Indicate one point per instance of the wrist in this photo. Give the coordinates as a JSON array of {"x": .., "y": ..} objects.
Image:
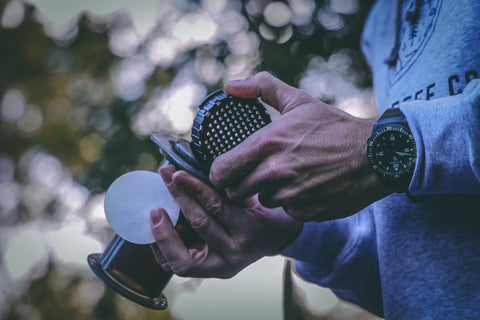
[
  {"x": 284, "y": 249},
  {"x": 377, "y": 188},
  {"x": 391, "y": 151}
]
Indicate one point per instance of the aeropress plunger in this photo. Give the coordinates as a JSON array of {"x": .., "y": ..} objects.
[{"x": 129, "y": 267}]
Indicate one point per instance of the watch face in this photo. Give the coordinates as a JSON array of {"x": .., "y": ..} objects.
[{"x": 392, "y": 152}]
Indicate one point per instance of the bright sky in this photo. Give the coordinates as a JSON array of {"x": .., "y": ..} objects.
[{"x": 143, "y": 12}]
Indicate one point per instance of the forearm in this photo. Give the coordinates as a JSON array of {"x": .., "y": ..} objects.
[{"x": 341, "y": 255}]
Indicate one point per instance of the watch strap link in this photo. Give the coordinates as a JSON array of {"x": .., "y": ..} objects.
[{"x": 391, "y": 115}]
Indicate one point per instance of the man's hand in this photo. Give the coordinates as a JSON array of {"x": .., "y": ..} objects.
[
  {"x": 234, "y": 236},
  {"x": 311, "y": 161}
]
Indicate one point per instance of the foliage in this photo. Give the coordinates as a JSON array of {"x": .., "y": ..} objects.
[{"x": 63, "y": 99}]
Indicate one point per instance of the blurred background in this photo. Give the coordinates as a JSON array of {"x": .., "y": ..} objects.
[{"x": 83, "y": 83}]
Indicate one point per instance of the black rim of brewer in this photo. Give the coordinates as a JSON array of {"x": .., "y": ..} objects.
[{"x": 157, "y": 303}]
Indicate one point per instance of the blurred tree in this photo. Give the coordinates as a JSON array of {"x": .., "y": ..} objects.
[
  {"x": 326, "y": 28},
  {"x": 61, "y": 96}
]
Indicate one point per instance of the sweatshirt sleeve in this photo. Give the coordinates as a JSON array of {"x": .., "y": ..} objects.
[
  {"x": 341, "y": 255},
  {"x": 447, "y": 134}
]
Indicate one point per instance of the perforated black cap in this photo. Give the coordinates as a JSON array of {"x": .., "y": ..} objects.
[{"x": 222, "y": 122}]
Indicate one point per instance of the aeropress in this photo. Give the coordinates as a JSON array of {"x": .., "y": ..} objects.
[{"x": 127, "y": 264}]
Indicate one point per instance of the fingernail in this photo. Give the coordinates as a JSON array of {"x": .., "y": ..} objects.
[{"x": 155, "y": 217}]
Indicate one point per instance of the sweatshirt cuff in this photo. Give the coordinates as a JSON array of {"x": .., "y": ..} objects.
[{"x": 446, "y": 133}]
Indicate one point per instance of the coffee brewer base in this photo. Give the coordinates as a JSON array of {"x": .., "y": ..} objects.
[
  {"x": 157, "y": 303},
  {"x": 131, "y": 271}
]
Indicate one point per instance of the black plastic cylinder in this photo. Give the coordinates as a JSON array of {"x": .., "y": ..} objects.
[{"x": 131, "y": 270}]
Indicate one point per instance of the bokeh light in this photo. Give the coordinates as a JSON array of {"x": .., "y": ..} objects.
[
  {"x": 12, "y": 15},
  {"x": 277, "y": 14},
  {"x": 83, "y": 84}
]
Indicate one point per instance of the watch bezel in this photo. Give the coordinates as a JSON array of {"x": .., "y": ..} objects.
[{"x": 396, "y": 179}]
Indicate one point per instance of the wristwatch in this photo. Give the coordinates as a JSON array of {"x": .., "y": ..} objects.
[{"x": 391, "y": 150}]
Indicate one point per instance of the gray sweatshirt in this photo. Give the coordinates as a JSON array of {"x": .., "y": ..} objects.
[{"x": 396, "y": 258}]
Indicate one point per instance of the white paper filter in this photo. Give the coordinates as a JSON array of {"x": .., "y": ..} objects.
[{"x": 130, "y": 199}]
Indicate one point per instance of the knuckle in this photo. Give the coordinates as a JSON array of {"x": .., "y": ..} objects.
[
  {"x": 264, "y": 76},
  {"x": 275, "y": 171},
  {"x": 297, "y": 98},
  {"x": 199, "y": 224},
  {"x": 160, "y": 237},
  {"x": 302, "y": 97},
  {"x": 159, "y": 234},
  {"x": 267, "y": 142},
  {"x": 214, "y": 207},
  {"x": 180, "y": 269}
]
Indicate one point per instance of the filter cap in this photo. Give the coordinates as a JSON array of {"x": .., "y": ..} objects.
[{"x": 128, "y": 203}]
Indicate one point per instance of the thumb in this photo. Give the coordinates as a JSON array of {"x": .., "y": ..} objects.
[{"x": 271, "y": 90}]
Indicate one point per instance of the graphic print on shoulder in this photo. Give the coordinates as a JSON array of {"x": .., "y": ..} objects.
[{"x": 418, "y": 20}]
